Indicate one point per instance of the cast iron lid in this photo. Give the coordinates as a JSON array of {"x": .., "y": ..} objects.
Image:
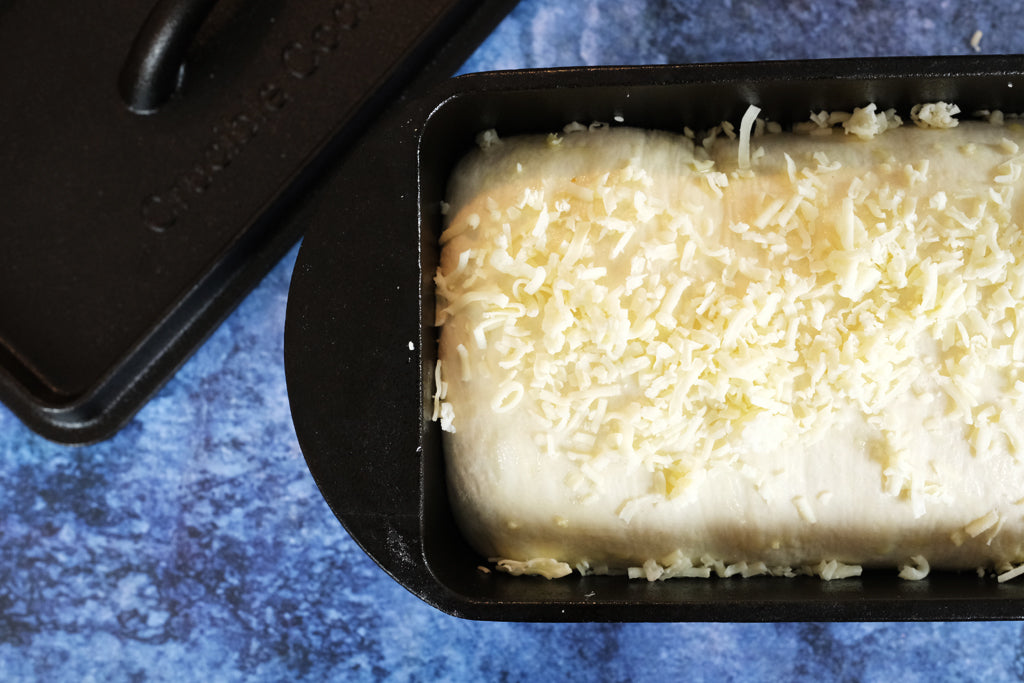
[
  {"x": 360, "y": 345},
  {"x": 153, "y": 157}
]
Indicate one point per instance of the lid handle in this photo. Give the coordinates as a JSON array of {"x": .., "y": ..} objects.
[{"x": 155, "y": 65}]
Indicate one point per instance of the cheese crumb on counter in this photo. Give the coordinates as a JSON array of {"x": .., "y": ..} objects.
[{"x": 976, "y": 41}]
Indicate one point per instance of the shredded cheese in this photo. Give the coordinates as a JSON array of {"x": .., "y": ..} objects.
[
  {"x": 916, "y": 570},
  {"x": 541, "y": 566},
  {"x": 632, "y": 327},
  {"x": 746, "y": 126},
  {"x": 935, "y": 115}
]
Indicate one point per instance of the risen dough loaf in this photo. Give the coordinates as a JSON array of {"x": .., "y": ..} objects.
[{"x": 804, "y": 355}]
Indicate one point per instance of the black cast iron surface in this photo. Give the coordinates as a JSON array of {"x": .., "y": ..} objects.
[
  {"x": 127, "y": 238},
  {"x": 360, "y": 345}
]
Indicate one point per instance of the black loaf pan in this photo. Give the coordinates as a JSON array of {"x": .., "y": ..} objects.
[{"x": 360, "y": 345}]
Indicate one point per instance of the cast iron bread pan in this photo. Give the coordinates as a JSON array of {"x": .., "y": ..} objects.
[{"x": 360, "y": 344}]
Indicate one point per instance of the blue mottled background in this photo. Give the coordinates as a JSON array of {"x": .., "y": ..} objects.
[{"x": 195, "y": 546}]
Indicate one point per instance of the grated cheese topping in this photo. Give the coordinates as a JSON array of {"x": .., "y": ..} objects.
[
  {"x": 866, "y": 123},
  {"x": 746, "y": 128},
  {"x": 542, "y": 566},
  {"x": 677, "y": 330},
  {"x": 935, "y": 115},
  {"x": 917, "y": 569}
]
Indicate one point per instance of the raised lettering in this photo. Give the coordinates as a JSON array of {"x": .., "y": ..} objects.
[
  {"x": 299, "y": 60},
  {"x": 273, "y": 97},
  {"x": 157, "y": 213},
  {"x": 326, "y": 37}
]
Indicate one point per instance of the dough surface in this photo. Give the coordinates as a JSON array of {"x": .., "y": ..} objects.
[{"x": 675, "y": 361}]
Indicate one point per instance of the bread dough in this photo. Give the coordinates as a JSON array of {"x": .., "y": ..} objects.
[{"x": 671, "y": 358}]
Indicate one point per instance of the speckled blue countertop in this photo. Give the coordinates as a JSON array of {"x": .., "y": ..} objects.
[{"x": 195, "y": 546}]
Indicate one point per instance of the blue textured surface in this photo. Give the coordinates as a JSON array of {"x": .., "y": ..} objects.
[{"x": 195, "y": 546}]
